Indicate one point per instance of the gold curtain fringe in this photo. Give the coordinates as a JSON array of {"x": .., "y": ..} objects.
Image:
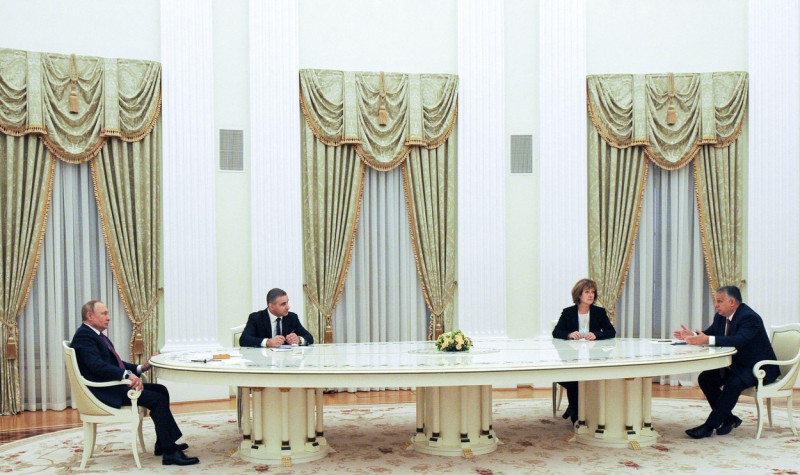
[
  {"x": 710, "y": 269},
  {"x": 37, "y": 251},
  {"x": 74, "y": 159},
  {"x": 383, "y": 166},
  {"x": 325, "y": 139},
  {"x": 136, "y": 136},
  {"x": 659, "y": 161},
  {"x": 24, "y": 130}
]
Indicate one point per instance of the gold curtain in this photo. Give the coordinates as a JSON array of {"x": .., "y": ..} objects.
[
  {"x": 76, "y": 108},
  {"x": 26, "y": 185},
  {"x": 673, "y": 119},
  {"x": 379, "y": 119}
]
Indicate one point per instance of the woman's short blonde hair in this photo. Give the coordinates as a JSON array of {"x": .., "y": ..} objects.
[{"x": 582, "y": 285}]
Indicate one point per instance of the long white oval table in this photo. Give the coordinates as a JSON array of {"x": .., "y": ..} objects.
[{"x": 283, "y": 420}]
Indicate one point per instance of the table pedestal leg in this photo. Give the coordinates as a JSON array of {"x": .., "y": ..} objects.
[
  {"x": 617, "y": 413},
  {"x": 286, "y": 423},
  {"x": 454, "y": 421}
]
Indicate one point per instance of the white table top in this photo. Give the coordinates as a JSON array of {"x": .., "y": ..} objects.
[{"x": 512, "y": 361}]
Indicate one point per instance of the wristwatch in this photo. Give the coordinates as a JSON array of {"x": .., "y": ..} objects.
[{"x": 127, "y": 374}]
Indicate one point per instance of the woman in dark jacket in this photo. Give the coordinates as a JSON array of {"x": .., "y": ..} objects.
[{"x": 582, "y": 321}]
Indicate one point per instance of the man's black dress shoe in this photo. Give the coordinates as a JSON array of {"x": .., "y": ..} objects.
[
  {"x": 731, "y": 422},
  {"x": 157, "y": 450},
  {"x": 700, "y": 432},
  {"x": 178, "y": 458}
]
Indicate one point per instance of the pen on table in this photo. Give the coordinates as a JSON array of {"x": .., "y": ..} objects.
[{"x": 204, "y": 360}]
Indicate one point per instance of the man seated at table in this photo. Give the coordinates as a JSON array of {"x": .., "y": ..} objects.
[
  {"x": 275, "y": 325},
  {"x": 98, "y": 361},
  {"x": 737, "y": 325}
]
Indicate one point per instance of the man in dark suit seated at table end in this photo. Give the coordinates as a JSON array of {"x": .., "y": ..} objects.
[
  {"x": 98, "y": 361},
  {"x": 737, "y": 325},
  {"x": 275, "y": 325}
]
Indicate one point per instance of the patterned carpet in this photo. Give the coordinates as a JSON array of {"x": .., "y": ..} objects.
[{"x": 370, "y": 440}]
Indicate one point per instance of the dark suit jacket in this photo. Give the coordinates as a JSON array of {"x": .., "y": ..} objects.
[
  {"x": 748, "y": 335},
  {"x": 97, "y": 363},
  {"x": 258, "y": 327},
  {"x": 599, "y": 324}
]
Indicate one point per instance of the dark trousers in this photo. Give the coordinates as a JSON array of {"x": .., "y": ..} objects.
[
  {"x": 572, "y": 394},
  {"x": 155, "y": 397},
  {"x": 722, "y": 389}
]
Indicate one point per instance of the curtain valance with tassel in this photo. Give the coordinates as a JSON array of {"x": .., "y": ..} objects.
[
  {"x": 670, "y": 115},
  {"x": 77, "y": 102},
  {"x": 382, "y": 114}
]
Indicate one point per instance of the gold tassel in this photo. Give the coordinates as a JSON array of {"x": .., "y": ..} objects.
[
  {"x": 328, "y": 333},
  {"x": 382, "y": 109},
  {"x": 438, "y": 328},
  {"x": 671, "y": 117},
  {"x": 138, "y": 343},
  {"x": 11, "y": 347},
  {"x": 73, "y": 80}
]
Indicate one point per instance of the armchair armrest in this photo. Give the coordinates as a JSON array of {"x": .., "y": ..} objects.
[
  {"x": 133, "y": 394},
  {"x": 760, "y": 373}
]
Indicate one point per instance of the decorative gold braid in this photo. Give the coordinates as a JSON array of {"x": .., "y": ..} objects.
[
  {"x": 383, "y": 166},
  {"x": 24, "y": 130},
  {"x": 672, "y": 166},
  {"x": 37, "y": 250},
  {"x": 329, "y": 141},
  {"x": 74, "y": 159},
  {"x": 144, "y": 132},
  {"x": 710, "y": 270},
  {"x": 632, "y": 243}
]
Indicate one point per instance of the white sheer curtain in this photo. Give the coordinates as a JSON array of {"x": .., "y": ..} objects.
[
  {"x": 73, "y": 269},
  {"x": 667, "y": 284},
  {"x": 382, "y": 298}
]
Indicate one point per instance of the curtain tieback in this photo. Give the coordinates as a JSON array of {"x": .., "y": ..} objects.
[{"x": 11, "y": 341}]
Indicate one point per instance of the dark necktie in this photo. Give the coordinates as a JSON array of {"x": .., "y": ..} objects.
[
  {"x": 278, "y": 330},
  {"x": 727, "y": 326},
  {"x": 112, "y": 350}
]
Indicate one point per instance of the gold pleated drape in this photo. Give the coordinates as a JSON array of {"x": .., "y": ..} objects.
[
  {"x": 80, "y": 109},
  {"x": 672, "y": 120},
  {"x": 380, "y": 120}
]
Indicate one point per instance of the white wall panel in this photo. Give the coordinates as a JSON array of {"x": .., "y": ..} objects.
[
  {"x": 190, "y": 266},
  {"x": 562, "y": 151},
  {"x": 276, "y": 208},
  {"x": 481, "y": 169},
  {"x": 773, "y": 173}
]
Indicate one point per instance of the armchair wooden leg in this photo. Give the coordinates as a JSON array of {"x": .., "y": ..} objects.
[
  {"x": 791, "y": 416},
  {"x": 89, "y": 432},
  {"x": 135, "y": 431},
  {"x": 760, "y": 411},
  {"x": 769, "y": 410}
]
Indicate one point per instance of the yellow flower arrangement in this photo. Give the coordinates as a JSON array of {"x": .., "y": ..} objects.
[{"x": 453, "y": 341}]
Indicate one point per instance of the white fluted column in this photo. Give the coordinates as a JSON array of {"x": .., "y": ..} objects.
[
  {"x": 190, "y": 265},
  {"x": 773, "y": 199},
  {"x": 481, "y": 169},
  {"x": 562, "y": 150},
  {"x": 276, "y": 208}
]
